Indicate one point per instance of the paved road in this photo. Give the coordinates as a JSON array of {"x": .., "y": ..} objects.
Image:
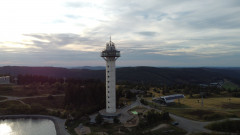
[
  {"x": 125, "y": 116},
  {"x": 59, "y": 123},
  {"x": 190, "y": 126}
]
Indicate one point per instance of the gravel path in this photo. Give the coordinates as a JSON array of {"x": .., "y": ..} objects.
[
  {"x": 19, "y": 98},
  {"x": 160, "y": 126}
]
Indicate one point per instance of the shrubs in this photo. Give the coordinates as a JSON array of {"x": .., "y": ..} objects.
[
  {"x": 153, "y": 117},
  {"x": 50, "y": 97},
  {"x": 208, "y": 115},
  {"x": 37, "y": 109},
  {"x": 116, "y": 120},
  {"x": 6, "y": 88},
  {"x": 24, "y": 109},
  {"x": 144, "y": 102},
  {"x": 212, "y": 117},
  {"x": 232, "y": 126},
  {"x": 99, "y": 119},
  {"x": 18, "y": 109}
]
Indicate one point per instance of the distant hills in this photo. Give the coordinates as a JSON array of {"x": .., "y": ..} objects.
[
  {"x": 90, "y": 67},
  {"x": 133, "y": 74}
]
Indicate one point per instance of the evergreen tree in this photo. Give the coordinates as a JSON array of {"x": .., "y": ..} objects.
[
  {"x": 99, "y": 119},
  {"x": 116, "y": 120}
]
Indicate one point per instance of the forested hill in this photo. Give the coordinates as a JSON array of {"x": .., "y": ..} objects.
[
  {"x": 53, "y": 72},
  {"x": 134, "y": 74}
]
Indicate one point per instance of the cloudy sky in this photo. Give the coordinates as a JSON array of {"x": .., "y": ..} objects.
[{"x": 66, "y": 33}]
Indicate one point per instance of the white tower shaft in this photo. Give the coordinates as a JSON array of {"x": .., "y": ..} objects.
[
  {"x": 110, "y": 85},
  {"x": 110, "y": 55}
]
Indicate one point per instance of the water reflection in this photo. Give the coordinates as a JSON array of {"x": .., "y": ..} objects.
[
  {"x": 5, "y": 129},
  {"x": 27, "y": 127}
]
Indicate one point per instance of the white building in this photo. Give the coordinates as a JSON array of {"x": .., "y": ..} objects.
[
  {"x": 168, "y": 99},
  {"x": 5, "y": 80},
  {"x": 171, "y": 98},
  {"x": 110, "y": 55}
]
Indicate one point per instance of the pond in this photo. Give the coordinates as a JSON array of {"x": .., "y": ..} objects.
[{"x": 27, "y": 127}]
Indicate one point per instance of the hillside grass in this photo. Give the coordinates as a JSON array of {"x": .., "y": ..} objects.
[
  {"x": 9, "y": 103},
  {"x": 170, "y": 130},
  {"x": 213, "y": 109},
  {"x": 230, "y": 126},
  {"x": 212, "y": 133},
  {"x": 212, "y": 103},
  {"x": 229, "y": 85},
  {"x": 27, "y": 90},
  {"x": 11, "y": 107},
  {"x": 48, "y": 102},
  {"x": 2, "y": 98},
  {"x": 108, "y": 128}
]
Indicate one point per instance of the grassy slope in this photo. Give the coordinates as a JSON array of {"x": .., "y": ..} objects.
[
  {"x": 225, "y": 126},
  {"x": 213, "y": 103},
  {"x": 213, "y": 109},
  {"x": 229, "y": 85},
  {"x": 2, "y": 98},
  {"x": 54, "y": 103}
]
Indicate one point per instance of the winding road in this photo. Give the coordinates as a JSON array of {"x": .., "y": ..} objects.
[
  {"x": 188, "y": 125},
  {"x": 19, "y": 98},
  {"x": 192, "y": 126}
]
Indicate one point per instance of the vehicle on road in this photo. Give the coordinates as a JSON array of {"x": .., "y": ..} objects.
[{"x": 175, "y": 123}]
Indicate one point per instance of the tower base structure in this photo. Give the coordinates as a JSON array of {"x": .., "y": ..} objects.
[{"x": 107, "y": 115}]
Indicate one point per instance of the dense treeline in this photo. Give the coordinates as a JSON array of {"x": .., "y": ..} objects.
[
  {"x": 153, "y": 75},
  {"x": 81, "y": 96},
  {"x": 28, "y": 79},
  {"x": 149, "y": 75},
  {"x": 194, "y": 90},
  {"x": 151, "y": 118},
  {"x": 85, "y": 95},
  {"x": 191, "y": 89}
]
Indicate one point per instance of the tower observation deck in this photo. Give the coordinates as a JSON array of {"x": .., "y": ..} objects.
[{"x": 110, "y": 55}]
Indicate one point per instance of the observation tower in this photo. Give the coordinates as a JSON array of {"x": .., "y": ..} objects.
[{"x": 110, "y": 55}]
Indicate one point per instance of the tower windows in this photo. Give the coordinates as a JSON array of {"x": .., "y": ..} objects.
[
  {"x": 108, "y": 71},
  {"x": 108, "y": 96},
  {"x": 108, "y": 76},
  {"x": 108, "y": 86},
  {"x": 108, "y": 91},
  {"x": 108, "y": 81}
]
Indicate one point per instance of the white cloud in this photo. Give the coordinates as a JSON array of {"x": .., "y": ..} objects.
[
  {"x": 164, "y": 28},
  {"x": 83, "y": 48}
]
